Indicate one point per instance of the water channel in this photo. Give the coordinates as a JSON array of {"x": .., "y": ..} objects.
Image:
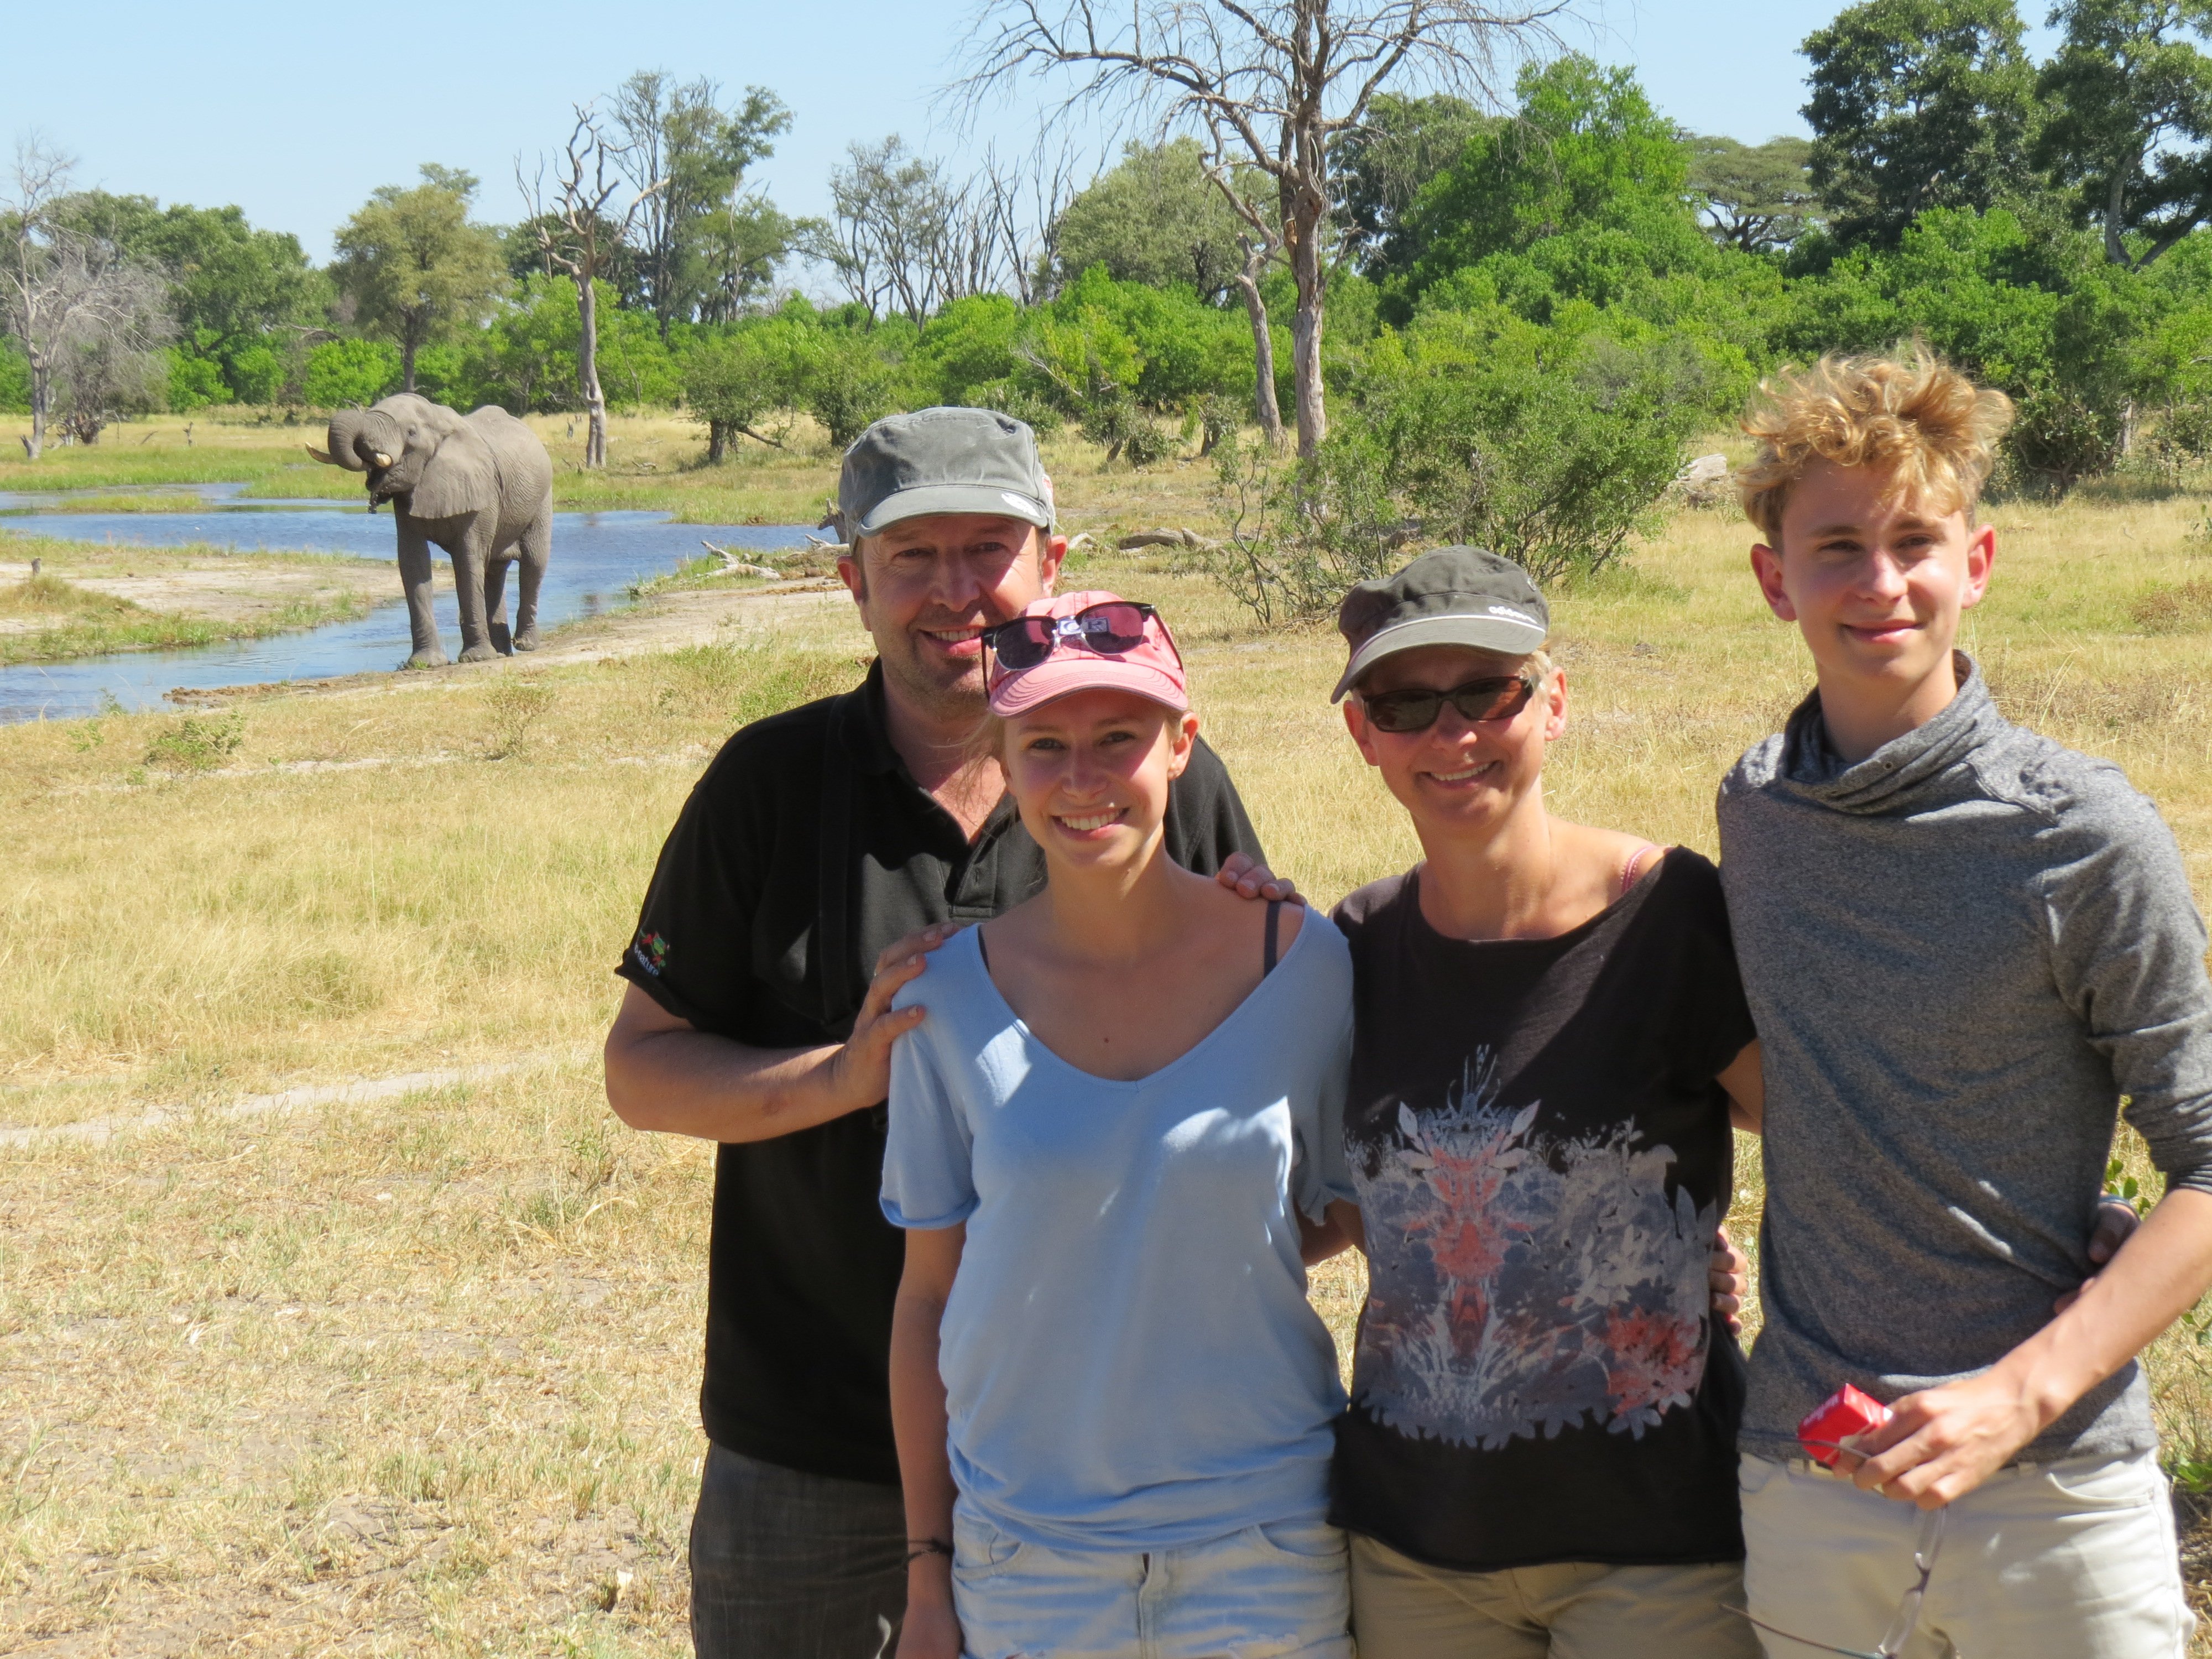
[{"x": 596, "y": 557}]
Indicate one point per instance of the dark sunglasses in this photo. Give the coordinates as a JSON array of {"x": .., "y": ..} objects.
[
  {"x": 1109, "y": 629},
  {"x": 1495, "y": 699}
]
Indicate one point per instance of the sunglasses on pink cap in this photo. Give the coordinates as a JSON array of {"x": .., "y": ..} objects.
[{"x": 1112, "y": 628}]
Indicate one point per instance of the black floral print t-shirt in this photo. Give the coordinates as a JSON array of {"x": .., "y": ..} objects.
[{"x": 1542, "y": 1157}]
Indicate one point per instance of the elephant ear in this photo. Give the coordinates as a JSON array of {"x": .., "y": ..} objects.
[{"x": 460, "y": 479}]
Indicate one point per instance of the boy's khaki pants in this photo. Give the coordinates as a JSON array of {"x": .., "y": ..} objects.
[
  {"x": 1401, "y": 1609},
  {"x": 2066, "y": 1560}
]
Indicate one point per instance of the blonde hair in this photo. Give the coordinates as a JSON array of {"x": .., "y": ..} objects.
[{"x": 1932, "y": 431}]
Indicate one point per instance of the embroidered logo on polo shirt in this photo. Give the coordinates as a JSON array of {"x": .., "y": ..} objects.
[{"x": 651, "y": 951}]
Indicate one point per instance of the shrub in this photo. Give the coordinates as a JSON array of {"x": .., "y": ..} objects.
[
  {"x": 198, "y": 743},
  {"x": 1550, "y": 452},
  {"x": 513, "y": 705}
]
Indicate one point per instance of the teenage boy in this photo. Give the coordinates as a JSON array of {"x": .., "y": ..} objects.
[
  {"x": 1962, "y": 944},
  {"x": 815, "y": 840}
]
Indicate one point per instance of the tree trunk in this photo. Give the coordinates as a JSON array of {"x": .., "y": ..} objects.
[
  {"x": 1263, "y": 351},
  {"x": 35, "y": 445},
  {"x": 2116, "y": 203},
  {"x": 1305, "y": 330},
  {"x": 718, "y": 441},
  {"x": 587, "y": 374},
  {"x": 407, "y": 361}
]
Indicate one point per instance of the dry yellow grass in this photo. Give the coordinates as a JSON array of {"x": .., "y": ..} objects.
[{"x": 249, "y": 1403}]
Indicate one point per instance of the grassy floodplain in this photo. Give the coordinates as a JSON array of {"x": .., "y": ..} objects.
[
  {"x": 86, "y": 598},
  {"x": 414, "y": 1371}
]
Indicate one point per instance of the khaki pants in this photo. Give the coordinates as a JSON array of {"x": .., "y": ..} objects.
[
  {"x": 2066, "y": 1560},
  {"x": 1401, "y": 1609}
]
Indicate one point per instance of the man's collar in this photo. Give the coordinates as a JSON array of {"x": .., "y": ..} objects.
[{"x": 867, "y": 725}]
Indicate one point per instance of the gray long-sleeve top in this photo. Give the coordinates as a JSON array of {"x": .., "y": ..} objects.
[{"x": 1959, "y": 952}]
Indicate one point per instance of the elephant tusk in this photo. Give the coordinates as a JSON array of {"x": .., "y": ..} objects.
[
  {"x": 319, "y": 455},
  {"x": 383, "y": 459}
]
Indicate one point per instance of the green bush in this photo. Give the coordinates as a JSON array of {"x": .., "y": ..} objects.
[
  {"x": 1548, "y": 450},
  {"x": 349, "y": 373},
  {"x": 198, "y": 743}
]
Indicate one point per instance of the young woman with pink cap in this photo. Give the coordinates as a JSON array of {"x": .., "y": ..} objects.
[{"x": 1112, "y": 1138}]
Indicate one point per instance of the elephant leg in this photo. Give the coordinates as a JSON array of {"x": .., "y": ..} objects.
[
  {"x": 414, "y": 582},
  {"x": 468, "y": 552},
  {"x": 495, "y": 604},
  {"x": 535, "y": 551}
]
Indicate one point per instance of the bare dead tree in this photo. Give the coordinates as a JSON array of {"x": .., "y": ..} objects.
[
  {"x": 1276, "y": 80},
  {"x": 578, "y": 237},
  {"x": 1024, "y": 200},
  {"x": 89, "y": 318}
]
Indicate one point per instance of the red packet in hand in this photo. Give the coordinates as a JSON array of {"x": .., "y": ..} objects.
[{"x": 1842, "y": 1415}]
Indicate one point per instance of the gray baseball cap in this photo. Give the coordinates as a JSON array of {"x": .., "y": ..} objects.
[
  {"x": 1454, "y": 596},
  {"x": 942, "y": 460}
]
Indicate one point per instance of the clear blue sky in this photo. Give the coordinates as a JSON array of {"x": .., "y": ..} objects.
[{"x": 297, "y": 111}]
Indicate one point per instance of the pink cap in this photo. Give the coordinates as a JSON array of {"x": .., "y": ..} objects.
[{"x": 1152, "y": 668}]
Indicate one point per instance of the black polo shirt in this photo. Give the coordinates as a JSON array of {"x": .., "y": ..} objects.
[{"x": 804, "y": 849}]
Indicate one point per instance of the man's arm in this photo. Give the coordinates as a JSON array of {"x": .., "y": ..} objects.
[{"x": 664, "y": 1073}]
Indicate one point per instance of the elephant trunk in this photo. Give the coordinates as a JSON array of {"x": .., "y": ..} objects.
[{"x": 345, "y": 427}]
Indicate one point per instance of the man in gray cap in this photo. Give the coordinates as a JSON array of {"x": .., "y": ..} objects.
[{"x": 816, "y": 840}]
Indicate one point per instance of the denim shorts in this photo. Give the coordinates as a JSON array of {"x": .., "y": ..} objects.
[{"x": 1277, "y": 1591}]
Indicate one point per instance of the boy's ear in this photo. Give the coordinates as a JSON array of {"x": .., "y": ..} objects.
[
  {"x": 1981, "y": 553},
  {"x": 1766, "y": 566}
]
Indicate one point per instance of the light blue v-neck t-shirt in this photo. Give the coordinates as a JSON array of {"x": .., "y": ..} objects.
[{"x": 1129, "y": 1359}]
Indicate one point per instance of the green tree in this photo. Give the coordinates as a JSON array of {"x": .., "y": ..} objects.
[
  {"x": 1918, "y": 104},
  {"x": 2128, "y": 129},
  {"x": 349, "y": 373},
  {"x": 1381, "y": 165},
  {"x": 1154, "y": 218},
  {"x": 681, "y": 138},
  {"x": 1586, "y": 148},
  {"x": 2033, "y": 309},
  {"x": 733, "y": 381},
  {"x": 231, "y": 289},
  {"x": 415, "y": 268},
  {"x": 1754, "y": 196}
]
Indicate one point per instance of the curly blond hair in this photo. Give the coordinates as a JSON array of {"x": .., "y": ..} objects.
[{"x": 1932, "y": 431}]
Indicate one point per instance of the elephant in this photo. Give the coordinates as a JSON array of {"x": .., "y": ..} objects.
[{"x": 481, "y": 487}]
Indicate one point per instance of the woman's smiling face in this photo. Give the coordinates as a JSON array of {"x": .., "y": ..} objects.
[
  {"x": 1090, "y": 772},
  {"x": 1458, "y": 774}
]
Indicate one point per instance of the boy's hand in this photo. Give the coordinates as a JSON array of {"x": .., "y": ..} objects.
[
  {"x": 1251, "y": 880},
  {"x": 1730, "y": 1279},
  {"x": 1944, "y": 1442}
]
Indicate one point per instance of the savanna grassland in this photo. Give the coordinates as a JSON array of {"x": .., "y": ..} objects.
[{"x": 336, "y": 1315}]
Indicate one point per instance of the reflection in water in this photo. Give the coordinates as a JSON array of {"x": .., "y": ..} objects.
[{"x": 596, "y": 557}]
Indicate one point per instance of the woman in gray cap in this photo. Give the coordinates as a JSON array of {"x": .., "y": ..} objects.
[{"x": 1550, "y": 1044}]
